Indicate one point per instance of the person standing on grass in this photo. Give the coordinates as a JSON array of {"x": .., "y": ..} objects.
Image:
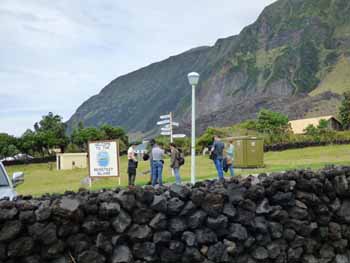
[
  {"x": 217, "y": 152},
  {"x": 157, "y": 165},
  {"x": 230, "y": 152},
  {"x": 132, "y": 165},
  {"x": 175, "y": 164}
]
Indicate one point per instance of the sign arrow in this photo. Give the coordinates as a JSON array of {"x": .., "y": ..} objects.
[
  {"x": 165, "y": 116},
  {"x": 165, "y": 133},
  {"x": 163, "y": 122},
  {"x": 179, "y": 135},
  {"x": 165, "y": 129},
  {"x": 175, "y": 123}
]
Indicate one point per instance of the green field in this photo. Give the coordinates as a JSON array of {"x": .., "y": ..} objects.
[{"x": 40, "y": 179}]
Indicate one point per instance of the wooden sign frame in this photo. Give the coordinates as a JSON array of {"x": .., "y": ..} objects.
[{"x": 91, "y": 177}]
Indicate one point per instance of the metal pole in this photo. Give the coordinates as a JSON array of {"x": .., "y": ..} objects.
[
  {"x": 171, "y": 127},
  {"x": 193, "y": 144}
]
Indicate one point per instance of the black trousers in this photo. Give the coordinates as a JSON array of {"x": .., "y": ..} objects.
[{"x": 132, "y": 177}]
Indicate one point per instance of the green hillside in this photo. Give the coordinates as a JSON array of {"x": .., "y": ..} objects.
[{"x": 293, "y": 59}]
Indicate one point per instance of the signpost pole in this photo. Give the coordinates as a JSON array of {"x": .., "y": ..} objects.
[{"x": 171, "y": 127}]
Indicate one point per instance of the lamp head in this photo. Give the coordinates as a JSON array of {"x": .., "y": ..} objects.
[{"x": 193, "y": 78}]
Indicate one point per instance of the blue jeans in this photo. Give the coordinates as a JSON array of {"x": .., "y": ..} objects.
[
  {"x": 219, "y": 167},
  {"x": 157, "y": 170},
  {"x": 232, "y": 172},
  {"x": 177, "y": 175}
]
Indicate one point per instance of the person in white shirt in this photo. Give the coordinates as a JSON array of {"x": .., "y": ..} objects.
[
  {"x": 132, "y": 164},
  {"x": 157, "y": 165}
]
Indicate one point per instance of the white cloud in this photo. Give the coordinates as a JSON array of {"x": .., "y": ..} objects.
[{"x": 56, "y": 54}]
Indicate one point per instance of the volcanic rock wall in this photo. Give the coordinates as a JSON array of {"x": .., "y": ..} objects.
[{"x": 299, "y": 216}]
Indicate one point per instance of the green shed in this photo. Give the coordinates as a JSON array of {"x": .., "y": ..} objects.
[{"x": 249, "y": 152}]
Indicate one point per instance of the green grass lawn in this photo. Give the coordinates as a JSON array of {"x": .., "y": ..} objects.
[{"x": 40, "y": 179}]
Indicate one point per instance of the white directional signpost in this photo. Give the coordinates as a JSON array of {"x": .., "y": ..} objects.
[{"x": 167, "y": 129}]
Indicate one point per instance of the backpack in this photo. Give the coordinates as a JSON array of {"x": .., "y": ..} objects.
[{"x": 180, "y": 158}]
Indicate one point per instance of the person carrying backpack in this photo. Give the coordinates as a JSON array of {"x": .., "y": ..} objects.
[{"x": 176, "y": 161}]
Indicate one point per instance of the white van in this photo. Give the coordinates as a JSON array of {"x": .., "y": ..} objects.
[{"x": 7, "y": 186}]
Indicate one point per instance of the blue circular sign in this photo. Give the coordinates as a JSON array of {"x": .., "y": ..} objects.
[{"x": 103, "y": 159}]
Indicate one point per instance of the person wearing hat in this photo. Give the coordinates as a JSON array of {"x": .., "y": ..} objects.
[{"x": 132, "y": 164}]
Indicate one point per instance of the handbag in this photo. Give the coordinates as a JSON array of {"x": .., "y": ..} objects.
[{"x": 212, "y": 156}]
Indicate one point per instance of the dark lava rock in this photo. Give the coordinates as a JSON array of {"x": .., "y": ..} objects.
[
  {"x": 298, "y": 213},
  {"x": 189, "y": 238},
  {"x": 8, "y": 214},
  {"x": 216, "y": 223},
  {"x": 43, "y": 213},
  {"x": 10, "y": 230},
  {"x": 109, "y": 209},
  {"x": 229, "y": 210},
  {"x": 341, "y": 185},
  {"x": 197, "y": 196},
  {"x": 91, "y": 257},
  {"x": 159, "y": 203},
  {"x": 217, "y": 252},
  {"x": 68, "y": 208},
  {"x": 177, "y": 225},
  {"x": 53, "y": 251},
  {"x": 176, "y": 246},
  {"x": 162, "y": 237},
  {"x": 20, "y": 247},
  {"x": 192, "y": 254},
  {"x": 94, "y": 226},
  {"x": 196, "y": 220},
  {"x": 122, "y": 254},
  {"x": 188, "y": 209},
  {"x": 126, "y": 199},
  {"x": 175, "y": 205},
  {"x": 276, "y": 230},
  {"x": 205, "y": 236},
  {"x": 159, "y": 222},
  {"x": 248, "y": 204},
  {"x": 342, "y": 259},
  {"x": 260, "y": 253},
  {"x": 237, "y": 232},
  {"x": 294, "y": 254},
  {"x": 180, "y": 191},
  {"x": 104, "y": 243},
  {"x": 139, "y": 233},
  {"x": 145, "y": 251},
  {"x": 27, "y": 216},
  {"x": 289, "y": 234},
  {"x": 283, "y": 199},
  {"x": 334, "y": 231},
  {"x": 344, "y": 211},
  {"x": 213, "y": 204},
  {"x": 263, "y": 207},
  {"x": 142, "y": 215},
  {"x": 274, "y": 249}
]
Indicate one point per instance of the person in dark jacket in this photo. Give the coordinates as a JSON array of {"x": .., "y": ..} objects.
[
  {"x": 217, "y": 151},
  {"x": 174, "y": 164}
]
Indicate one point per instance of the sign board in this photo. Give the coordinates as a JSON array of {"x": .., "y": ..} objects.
[
  {"x": 175, "y": 123},
  {"x": 104, "y": 159},
  {"x": 163, "y": 122},
  {"x": 165, "y": 133},
  {"x": 165, "y": 116},
  {"x": 179, "y": 135}
]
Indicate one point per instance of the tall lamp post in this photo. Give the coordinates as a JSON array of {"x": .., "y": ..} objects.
[{"x": 193, "y": 79}]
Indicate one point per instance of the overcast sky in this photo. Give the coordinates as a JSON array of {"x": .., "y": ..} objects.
[{"x": 56, "y": 54}]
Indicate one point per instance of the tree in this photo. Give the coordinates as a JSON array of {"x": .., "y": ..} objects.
[
  {"x": 8, "y": 145},
  {"x": 344, "y": 111},
  {"x": 52, "y": 132}
]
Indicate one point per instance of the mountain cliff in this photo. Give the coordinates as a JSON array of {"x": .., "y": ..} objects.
[{"x": 295, "y": 59}]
